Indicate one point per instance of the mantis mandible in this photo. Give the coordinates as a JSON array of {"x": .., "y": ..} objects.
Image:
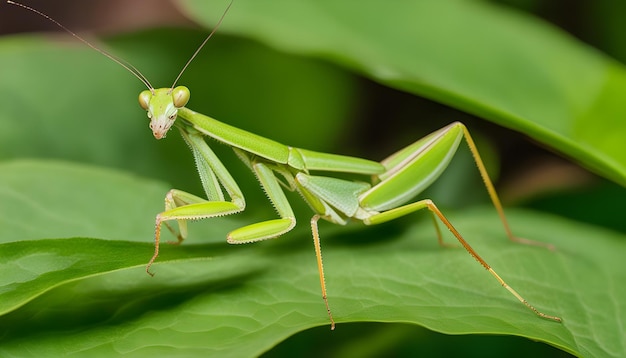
[{"x": 394, "y": 182}]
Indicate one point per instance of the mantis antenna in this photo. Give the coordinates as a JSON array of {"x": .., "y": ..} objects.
[
  {"x": 125, "y": 64},
  {"x": 219, "y": 22},
  {"x": 129, "y": 67}
]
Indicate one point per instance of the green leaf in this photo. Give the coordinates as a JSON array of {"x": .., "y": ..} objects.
[
  {"x": 498, "y": 64},
  {"x": 74, "y": 201},
  {"x": 211, "y": 298}
]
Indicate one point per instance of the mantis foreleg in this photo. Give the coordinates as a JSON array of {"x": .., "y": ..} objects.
[
  {"x": 270, "y": 228},
  {"x": 183, "y": 206}
]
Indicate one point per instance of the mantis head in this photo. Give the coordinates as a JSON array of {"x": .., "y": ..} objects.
[{"x": 162, "y": 106}]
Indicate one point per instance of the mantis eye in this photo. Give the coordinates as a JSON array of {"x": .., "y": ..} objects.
[
  {"x": 180, "y": 95},
  {"x": 144, "y": 99}
]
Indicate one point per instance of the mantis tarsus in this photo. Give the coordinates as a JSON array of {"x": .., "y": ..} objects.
[{"x": 394, "y": 182}]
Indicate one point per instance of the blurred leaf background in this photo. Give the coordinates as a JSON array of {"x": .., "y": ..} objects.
[{"x": 310, "y": 98}]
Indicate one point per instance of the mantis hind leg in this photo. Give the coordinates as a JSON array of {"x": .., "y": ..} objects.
[
  {"x": 428, "y": 204},
  {"x": 494, "y": 196}
]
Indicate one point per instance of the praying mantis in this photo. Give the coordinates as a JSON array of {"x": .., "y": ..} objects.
[{"x": 381, "y": 191}]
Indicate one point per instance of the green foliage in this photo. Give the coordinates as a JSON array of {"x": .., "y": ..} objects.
[
  {"x": 242, "y": 300},
  {"x": 77, "y": 225}
]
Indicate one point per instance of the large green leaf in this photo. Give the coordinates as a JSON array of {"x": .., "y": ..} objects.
[
  {"x": 92, "y": 297},
  {"x": 498, "y": 64}
]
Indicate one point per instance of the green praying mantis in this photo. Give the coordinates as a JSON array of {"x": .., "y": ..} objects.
[{"x": 387, "y": 195}]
